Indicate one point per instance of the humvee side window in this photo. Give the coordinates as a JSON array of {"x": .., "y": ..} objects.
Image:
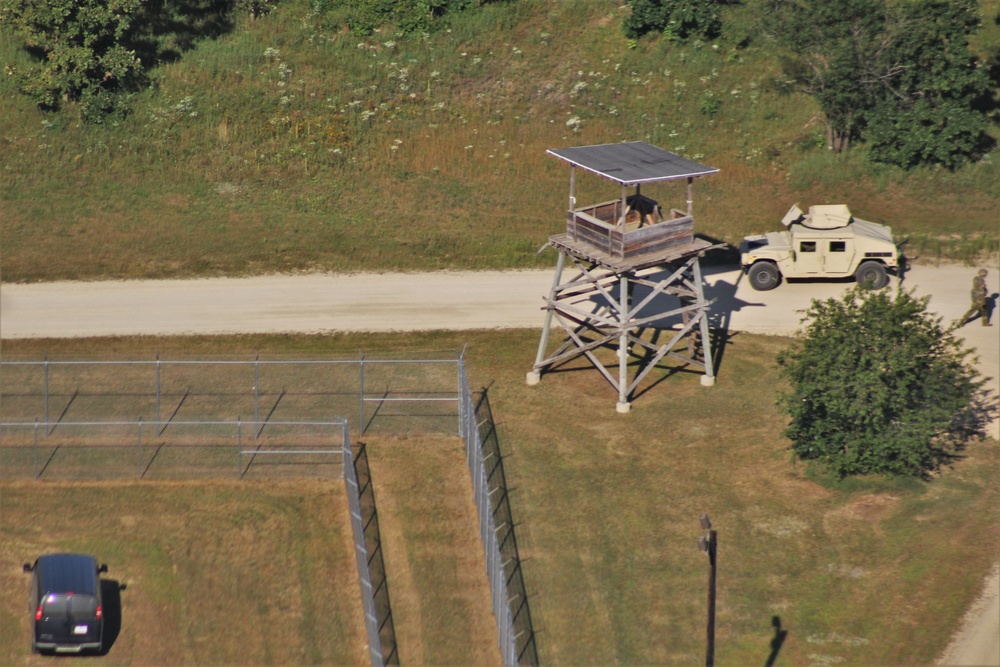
[
  {"x": 807, "y": 246},
  {"x": 838, "y": 246}
]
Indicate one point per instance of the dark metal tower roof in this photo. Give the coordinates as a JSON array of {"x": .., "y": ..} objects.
[{"x": 632, "y": 162}]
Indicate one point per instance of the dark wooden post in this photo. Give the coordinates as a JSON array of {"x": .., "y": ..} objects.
[
  {"x": 710, "y": 635},
  {"x": 709, "y": 544}
]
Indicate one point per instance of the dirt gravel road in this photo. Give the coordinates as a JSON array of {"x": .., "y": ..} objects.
[{"x": 317, "y": 303}]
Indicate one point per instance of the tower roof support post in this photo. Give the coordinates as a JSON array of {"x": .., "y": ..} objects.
[
  {"x": 572, "y": 187},
  {"x": 690, "y": 201},
  {"x": 621, "y": 219}
]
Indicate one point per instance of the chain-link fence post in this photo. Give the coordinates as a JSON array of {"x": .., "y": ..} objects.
[
  {"x": 345, "y": 444},
  {"x": 239, "y": 448},
  {"x": 256, "y": 393},
  {"x": 461, "y": 393},
  {"x": 159, "y": 421},
  {"x": 36, "y": 448},
  {"x": 46, "y": 394},
  {"x": 361, "y": 397},
  {"x": 138, "y": 459}
]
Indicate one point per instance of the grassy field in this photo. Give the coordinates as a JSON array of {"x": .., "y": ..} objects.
[
  {"x": 214, "y": 573},
  {"x": 220, "y": 572},
  {"x": 433, "y": 557},
  {"x": 866, "y": 572},
  {"x": 290, "y": 144}
]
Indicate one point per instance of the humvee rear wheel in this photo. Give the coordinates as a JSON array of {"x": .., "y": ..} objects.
[
  {"x": 764, "y": 276},
  {"x": 871, "y": 275}
]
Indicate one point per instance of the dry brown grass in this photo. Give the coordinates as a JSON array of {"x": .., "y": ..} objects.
[
  {"x": 216, "y": 572},
  {"x": 866, "y": 572},
  {"x": 433, "y": 557}
]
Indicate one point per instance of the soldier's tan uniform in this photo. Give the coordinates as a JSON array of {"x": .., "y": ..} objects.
[{"x": 978, "y": 301}]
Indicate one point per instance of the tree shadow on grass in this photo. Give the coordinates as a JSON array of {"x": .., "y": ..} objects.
[{"x": 164, "y": 29}]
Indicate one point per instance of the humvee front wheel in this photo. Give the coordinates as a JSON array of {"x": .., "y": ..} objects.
[
  {"x": 872, "y": 275},
  {"x": 764, "y": 276}
]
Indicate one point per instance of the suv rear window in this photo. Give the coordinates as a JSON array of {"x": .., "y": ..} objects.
[{"x": 70, "y": 606}]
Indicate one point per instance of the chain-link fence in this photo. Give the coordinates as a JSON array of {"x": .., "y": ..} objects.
[
  {"x": 368, "y": 549},
  {"x": 516, "y": 634},
  {"x": 170, "y": 450},
  {"x": 265, "y": 417},
  {"x": 378, "y": 396}
]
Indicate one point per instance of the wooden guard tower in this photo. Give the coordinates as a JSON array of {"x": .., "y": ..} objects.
[{"x": 620, "y": 244}]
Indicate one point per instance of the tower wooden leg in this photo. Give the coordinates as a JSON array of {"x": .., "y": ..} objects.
[
  {"x": 708, "y": 379},
  {"x": 535, "y": 376}
]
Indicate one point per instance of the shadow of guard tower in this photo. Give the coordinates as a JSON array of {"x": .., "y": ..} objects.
[{"x": 616, "y": 246}]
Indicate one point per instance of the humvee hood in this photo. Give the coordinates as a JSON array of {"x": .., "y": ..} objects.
[{"x": 872, "y": 230}]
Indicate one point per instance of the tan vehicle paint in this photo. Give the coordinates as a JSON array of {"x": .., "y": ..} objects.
[{"x": 827, "y": 242}]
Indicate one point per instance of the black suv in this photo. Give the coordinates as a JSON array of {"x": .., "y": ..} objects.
[{"x": 66, "y": 603}]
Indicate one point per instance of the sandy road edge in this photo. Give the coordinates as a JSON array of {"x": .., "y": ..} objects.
[{"x": 979, "y": 633}]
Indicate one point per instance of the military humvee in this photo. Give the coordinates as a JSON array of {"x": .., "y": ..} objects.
[{"x": 828, "y": 242}]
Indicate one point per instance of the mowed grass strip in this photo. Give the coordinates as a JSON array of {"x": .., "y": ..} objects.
[
  {"x": 215, "y": 572},
  {"x": 875, "y": 571},
  {"x": 862, "y": 572},
  {"x": 434, "y": 559}
]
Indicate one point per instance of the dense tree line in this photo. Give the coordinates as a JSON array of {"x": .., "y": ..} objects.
[{"x": 895, "y": 74}]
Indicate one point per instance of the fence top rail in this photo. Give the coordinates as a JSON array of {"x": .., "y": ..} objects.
[
  {"x": 226, "y": 362},
  {"x": 255, "y": 452},
  {"x": 231, "y": 422}
]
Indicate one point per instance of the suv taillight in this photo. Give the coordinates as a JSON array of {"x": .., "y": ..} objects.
[
  {"x": 98, "y": 612},
  {"x": 38, "y": 614}
]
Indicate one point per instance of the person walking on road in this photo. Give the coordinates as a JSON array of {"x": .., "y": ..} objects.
[{"x": 978, "y": 301}]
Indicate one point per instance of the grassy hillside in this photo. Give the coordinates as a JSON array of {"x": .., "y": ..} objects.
[{"x": 289, "y": 143}]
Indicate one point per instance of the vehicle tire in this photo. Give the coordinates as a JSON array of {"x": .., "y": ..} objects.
[
  {"x": 872, "y": 275},
  {"x": 764, "y": 276}
]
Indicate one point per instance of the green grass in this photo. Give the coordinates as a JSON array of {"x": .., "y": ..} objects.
[
  {"x": 290, "y": 144},
  {"x": 875, "y": 571},
  {"x": 219, "y": 573}
]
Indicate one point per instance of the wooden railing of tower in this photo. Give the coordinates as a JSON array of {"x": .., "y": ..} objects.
[{"x": 604, "y": 227}]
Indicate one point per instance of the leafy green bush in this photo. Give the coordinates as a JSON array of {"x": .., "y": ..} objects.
[
  {"x": 408, "y": 16},
  {"x": 878, "y": 385},
  {"x": 79, "y": 52},
  {"x": 677, "y": 19}
]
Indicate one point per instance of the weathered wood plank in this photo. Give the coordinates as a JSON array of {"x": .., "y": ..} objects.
[{"x": 632, "y": 263}]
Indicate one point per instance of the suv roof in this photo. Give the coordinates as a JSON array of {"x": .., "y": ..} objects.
[{"x": 68, "y": 573}]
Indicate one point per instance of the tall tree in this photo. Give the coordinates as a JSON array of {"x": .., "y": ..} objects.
[
  {"x": 878, "y": 385},
  {"x": 833, "y": 49},
  {"x": 926, "y": 110},
  {"x": 896, "y": 73},
  {"x": 79, "y": 52}
]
